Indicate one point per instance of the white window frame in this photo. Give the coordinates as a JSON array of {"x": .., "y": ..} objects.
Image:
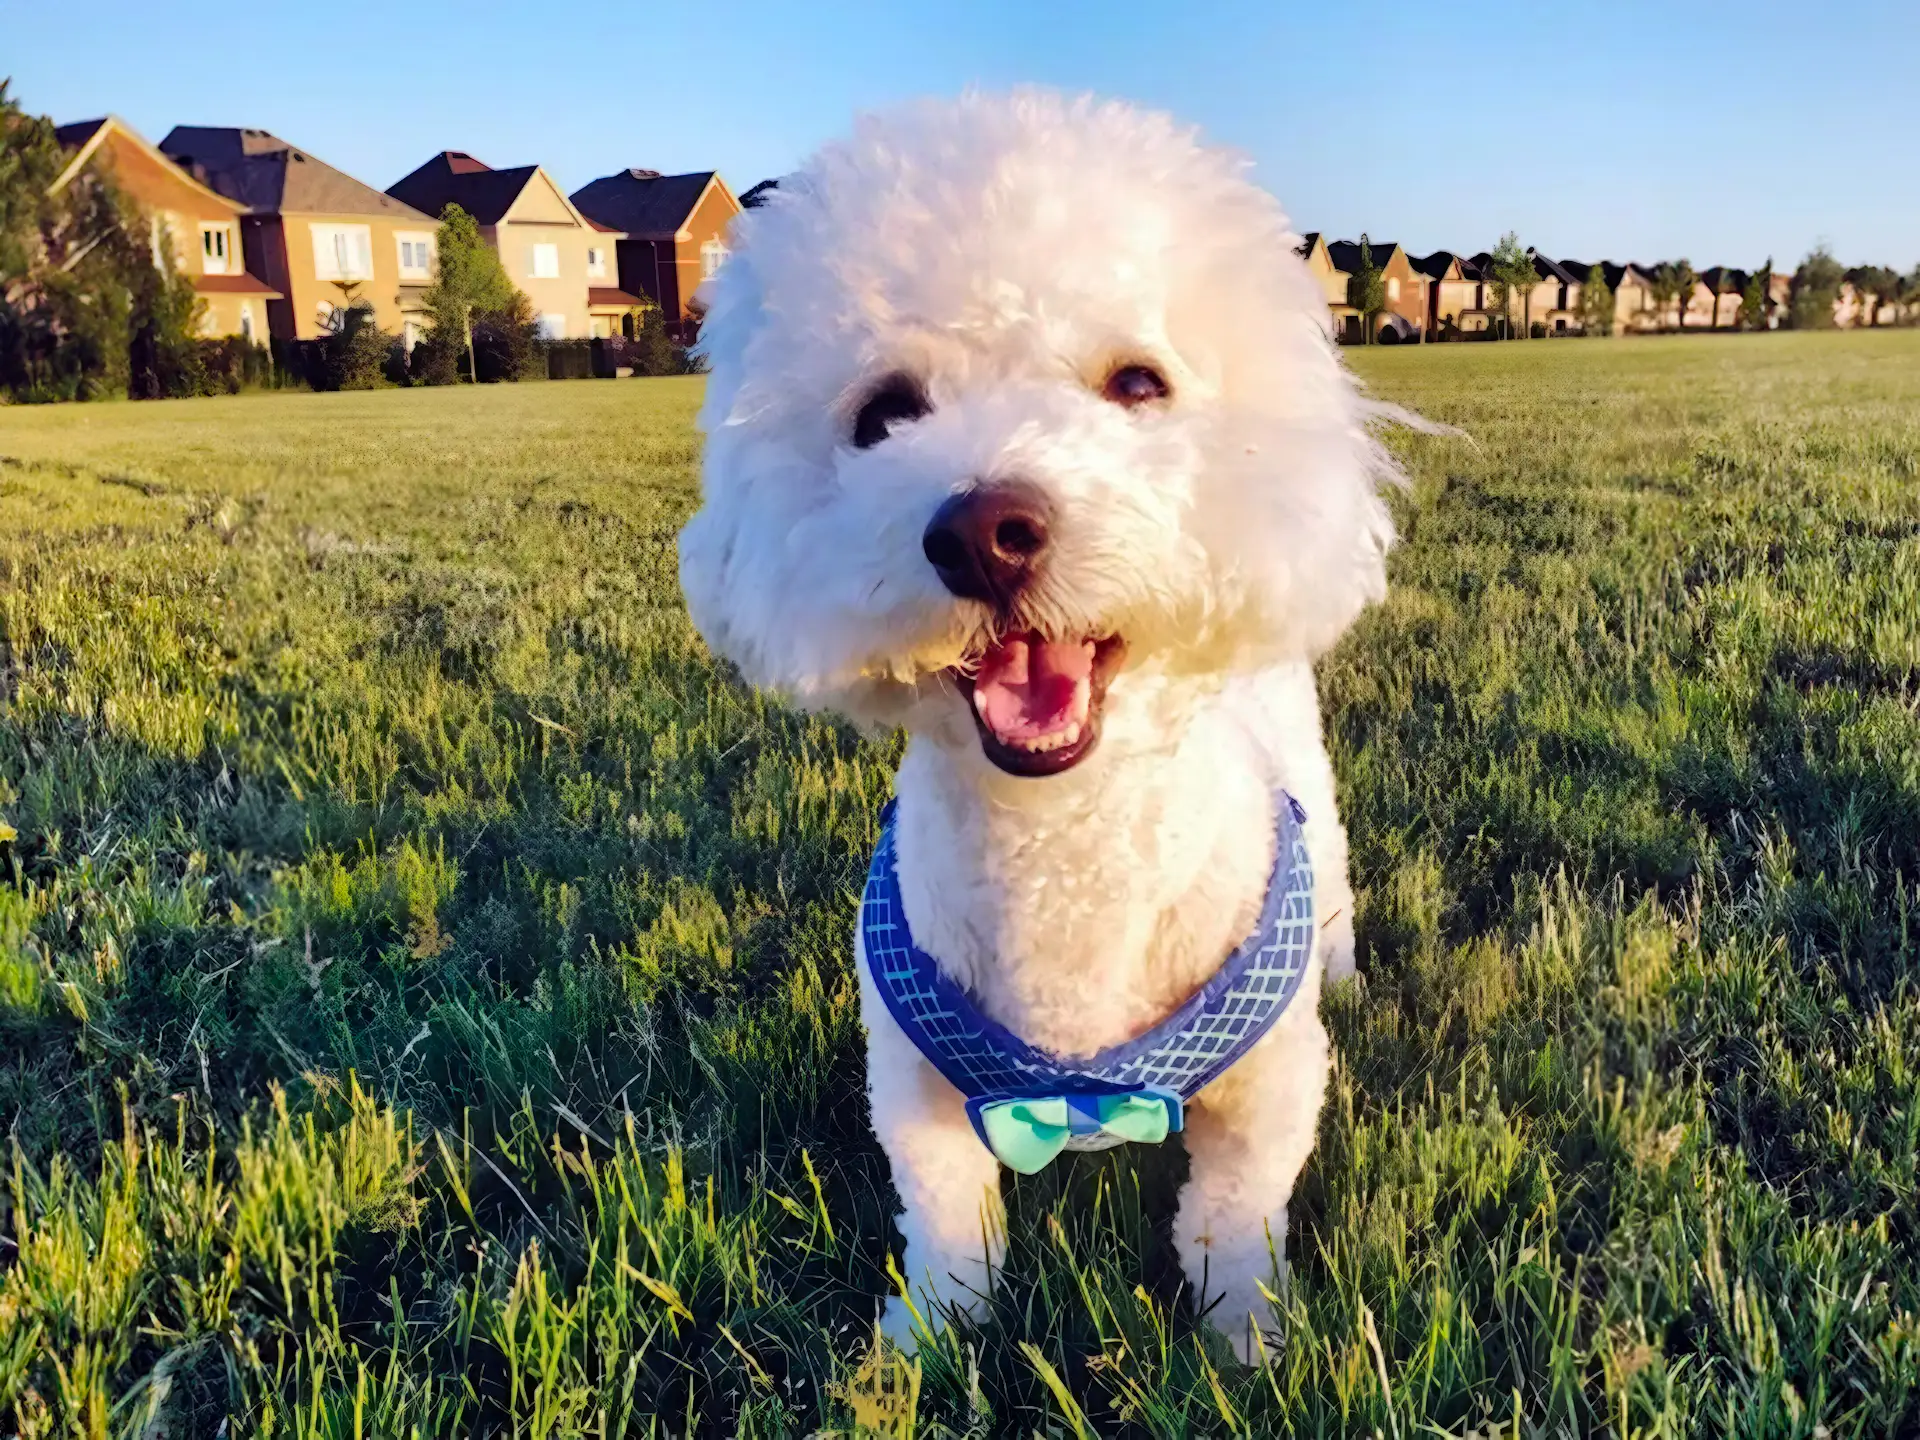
[
  {"x": 1393, "y": 287},
  {"x": 713, "y": 254},
  {"x": 422, "y": 243},
  {"x": 596, "y": 262},
  {"x": 543, "y": 261},
  {"x": 223, "y": 264},
  {"x": 552, "y": 326},
  {"x": 246, "y": 322},
  {"x": 342, "y": 252}
]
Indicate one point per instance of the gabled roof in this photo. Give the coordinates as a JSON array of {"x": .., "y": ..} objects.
[
  {"x": 1346, "y": 254},
  {"x": 757, "y": 195},
  {"x": 1440, "y": 265},
  {"x": 644, "y": 203},
  {"x": 85, "y": 137},
  {"x": 1548, "y": 269},
  {"x": 453, "y": 177},
  {"x": 268, "y": 176}
]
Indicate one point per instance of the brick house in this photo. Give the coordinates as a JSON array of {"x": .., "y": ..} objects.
[
  {"x": 321, "y": 238},
  {"x": 201, "y": 227},
  {"x": 1405, "y": 315},
  {"x": 562, "y": 261},
  {"x": 674, "y": 234}
]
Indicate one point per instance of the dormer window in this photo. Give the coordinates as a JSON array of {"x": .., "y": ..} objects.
[{"x": 216, "y": 250}]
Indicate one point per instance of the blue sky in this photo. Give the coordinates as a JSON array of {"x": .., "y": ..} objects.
[{"x": 1717, "y": 131}]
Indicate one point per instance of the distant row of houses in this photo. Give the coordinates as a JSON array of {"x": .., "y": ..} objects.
[
  {"x": 1447, "y": 295},
  {"x": 276, "y": 241}
]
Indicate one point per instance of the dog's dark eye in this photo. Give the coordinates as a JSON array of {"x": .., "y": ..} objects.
[
  {"x": 898, "y": 401},
  {"x": 1133, "y": 385}
]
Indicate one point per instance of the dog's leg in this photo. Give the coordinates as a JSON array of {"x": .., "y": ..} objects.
[
  {"x": 1248, "y": 1136},
  {"x": 949, "y": 1182}
]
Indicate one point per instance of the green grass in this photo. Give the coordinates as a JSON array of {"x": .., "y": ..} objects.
[{"x": 424, "y": 990}]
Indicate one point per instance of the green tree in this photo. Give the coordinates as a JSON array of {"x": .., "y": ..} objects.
[
  {"x": 469, "y": 283},
  {"x": 1680, "y": 280},
  {"x": 91, "y": 303},
  {"x": 1513, "y": 274},
  {"x": 1722, "y": 286},
  {"x": 1816, "y": 286},
  {"x": 1596, "y": 303},
  {"x": 1367, "y": 289},
  {"x": 654, "y": 350},
  {"x": 1753, "y": 300}
]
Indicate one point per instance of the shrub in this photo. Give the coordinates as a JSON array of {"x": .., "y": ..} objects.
[
  {"x": 568, "y": 359},
  {"x": 504, "y": 342},
  {"x": 1538, "y": 330},
  {"x": 232, "y": 364},
  {"x": 354, "y": 356}
]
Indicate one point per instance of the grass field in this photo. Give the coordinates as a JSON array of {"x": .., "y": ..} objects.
[{"x": 424, "y": 993}]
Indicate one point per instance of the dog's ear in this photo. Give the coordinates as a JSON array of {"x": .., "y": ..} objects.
[{"x": 732, "y": 315}]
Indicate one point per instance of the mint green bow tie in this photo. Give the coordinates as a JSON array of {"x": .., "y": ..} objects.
[{"x": 1028, "y": 1134}]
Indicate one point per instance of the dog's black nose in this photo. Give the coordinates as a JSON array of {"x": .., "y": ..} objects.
[{"x": 987, "y": 543}]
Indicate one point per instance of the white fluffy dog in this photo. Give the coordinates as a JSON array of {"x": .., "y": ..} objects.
[{"x": 1025, "y": 432}]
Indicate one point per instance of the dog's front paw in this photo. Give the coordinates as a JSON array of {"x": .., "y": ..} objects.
[
  {"x": 1245, "y": 1317},
  {"x": 1336, "y": 946},
  {"x": 938, "y": 1298}
]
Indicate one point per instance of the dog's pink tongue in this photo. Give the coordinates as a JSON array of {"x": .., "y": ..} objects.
[{"x": 1030, "y": 687}]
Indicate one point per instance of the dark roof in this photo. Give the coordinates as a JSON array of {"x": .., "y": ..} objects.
[
  {"x": 1435, "y": 265},
  {"x": 1548, "y": 269},
  {"x": 454, "y": 177},
  {"x": 757, "y": 196},
  {"x": 1346, "y": 253},
  {"x": 644, "y": 203},
  {"x": 78, "y": 133},
  {"x": 269, "y": 176},
  {"x": 1719, "y": 277},
  {"x": 1305, "y": 247}
]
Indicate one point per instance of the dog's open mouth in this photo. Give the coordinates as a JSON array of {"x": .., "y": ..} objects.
[{"x": 1037, "y": 702}]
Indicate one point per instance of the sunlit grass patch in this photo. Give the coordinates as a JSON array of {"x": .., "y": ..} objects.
[{"x": 424, "y": 990}]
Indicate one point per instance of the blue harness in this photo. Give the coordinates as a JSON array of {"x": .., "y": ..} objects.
[{"x": 1027, "y": 1105}]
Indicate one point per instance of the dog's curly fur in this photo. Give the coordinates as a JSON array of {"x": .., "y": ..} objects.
[{"x": 1007, "y": 252}]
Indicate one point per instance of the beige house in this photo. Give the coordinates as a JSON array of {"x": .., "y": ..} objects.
[
  {"x": 1632, "y": 289},
  {"x": 1334, "y": 263},
  {"x": 1456, "y": 295},
  {"x": 318, "y": 236},
  {"x": 200, "y": 227},
  {"x": 558, "y": 258},
  {"x": 1555, "y": 301},
  {"x": 673, "y": 234}
]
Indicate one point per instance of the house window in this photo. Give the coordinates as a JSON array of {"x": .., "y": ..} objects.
[
  {"x": 215, "y": 242},
  {"x": 342, "y": 252},
  {"x": 1393, "y": 287},
  {"x": 416, "y": 255},
  {"x": 596, "y": 263},
  {"x": 246, "y": 321},
  {"x": 543, "y": 262},
  {"x": 553, "y": 327},
  {"x": 712, "y": 256}
]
